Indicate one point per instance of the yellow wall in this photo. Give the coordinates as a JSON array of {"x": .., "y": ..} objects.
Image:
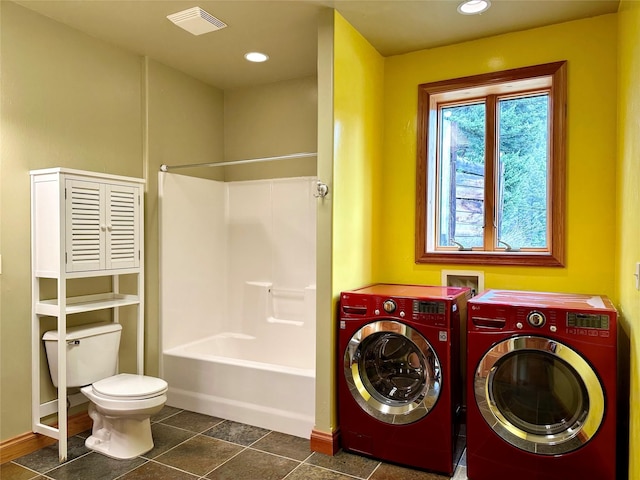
[
  {"x": 628, "y": 204},
  {"x": 589, "y": 46},
  {"x": 358, "y": 72},
  {"x": 358, "y": 92}
]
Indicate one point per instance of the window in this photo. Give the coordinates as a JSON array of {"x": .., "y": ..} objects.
[{"x": 490, "y": 169}]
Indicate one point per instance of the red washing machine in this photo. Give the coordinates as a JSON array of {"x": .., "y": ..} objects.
[
  {"x": 541, "y": 392},
  {"x": 399, "y": 380}
]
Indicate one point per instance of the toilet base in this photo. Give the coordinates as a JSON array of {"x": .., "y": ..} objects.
[{"x": 119, "y": 437}]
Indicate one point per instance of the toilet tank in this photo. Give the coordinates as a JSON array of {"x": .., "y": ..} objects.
[{"x": 92, "y": 352}]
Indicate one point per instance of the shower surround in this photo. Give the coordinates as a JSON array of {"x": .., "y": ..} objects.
[{"x": 237, "y": 299}]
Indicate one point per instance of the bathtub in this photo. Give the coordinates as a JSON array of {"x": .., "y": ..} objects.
[{"x": 269, "y": 383}]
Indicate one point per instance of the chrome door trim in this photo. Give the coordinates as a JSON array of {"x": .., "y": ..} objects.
[
  {"x": 573, "y": 436},
  {"x": 389, "y": 411}
]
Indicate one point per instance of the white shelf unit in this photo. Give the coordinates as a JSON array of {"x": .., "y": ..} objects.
[{"x": 83, "y": 224}]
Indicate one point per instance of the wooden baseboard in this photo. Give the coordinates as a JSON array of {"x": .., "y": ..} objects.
[
  {"x": 30, "y": 442},
  {"x": 327, "y": 443}
]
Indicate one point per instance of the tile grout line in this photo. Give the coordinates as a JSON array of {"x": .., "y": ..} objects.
[
  {"x": 168, "y": 416},
  {"x": 173, "y": 467},
  {"x": 227, "y": 460},
  {"x": 194, "y": 434},
  {"x": 222, "y": 420},
  {"x": 279, "y": 455},
  {"x": 134, "y": 468},
  {"x": 168, "y": 449},
  {"x": 261, "y": 438},
  {"x": 336, "y": 471},
  {"x": 26, "y": 468},
  {"x": 35, "y": 472},
  {"x": 253, "y": 447},
  {"x": 67, "y": 462},
  {"x": 296, "y": 468},
  {"x": 374, "y": 470}
]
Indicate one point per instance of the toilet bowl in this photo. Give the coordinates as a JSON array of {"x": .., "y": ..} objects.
[{"x": 121, "y": 407}]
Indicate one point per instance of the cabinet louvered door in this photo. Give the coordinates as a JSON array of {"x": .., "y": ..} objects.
[
  {"x": 85, "y": 226},
  {"x": 122, "y": 213},
  {"x": 102, "y": 226}
]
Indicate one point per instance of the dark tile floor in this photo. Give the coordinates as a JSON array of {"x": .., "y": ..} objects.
[{"x": 191, "y": 446}]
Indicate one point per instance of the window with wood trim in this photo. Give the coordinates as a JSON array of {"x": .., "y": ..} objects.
[{"x": 491, "y": 168}]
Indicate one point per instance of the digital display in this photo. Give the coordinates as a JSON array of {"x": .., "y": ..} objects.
[
  {"x": 422, "y": 306},
  {"x": 586, "y": 320}
]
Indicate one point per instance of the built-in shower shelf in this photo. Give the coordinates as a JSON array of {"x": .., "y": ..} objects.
[{"x": 87, "y": 303}]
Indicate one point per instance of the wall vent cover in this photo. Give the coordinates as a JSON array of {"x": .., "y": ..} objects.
[{"x": 196, "y": 21}]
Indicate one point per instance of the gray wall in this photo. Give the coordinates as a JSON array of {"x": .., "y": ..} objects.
[{"x": 70, "y": 100}]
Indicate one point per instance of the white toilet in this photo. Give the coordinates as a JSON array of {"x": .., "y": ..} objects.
[{"x": 121, "y": 405}]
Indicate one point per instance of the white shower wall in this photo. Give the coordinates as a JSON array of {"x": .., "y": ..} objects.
[
  {"x": 193, "y": 252},
  {"x": 236, "y": 257}
]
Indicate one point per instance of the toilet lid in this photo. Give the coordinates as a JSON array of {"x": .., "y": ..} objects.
[{"x": 130, "y": 387}]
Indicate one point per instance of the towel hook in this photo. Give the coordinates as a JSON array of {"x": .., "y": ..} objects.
[{"x": 321, "y": 190}]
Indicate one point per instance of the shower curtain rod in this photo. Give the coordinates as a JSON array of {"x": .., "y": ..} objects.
[{"x": 166, "y": 168}]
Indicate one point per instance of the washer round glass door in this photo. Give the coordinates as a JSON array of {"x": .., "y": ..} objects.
[
  {"x": 539, "y": 395},
  {"x": 392, "y": 372}
]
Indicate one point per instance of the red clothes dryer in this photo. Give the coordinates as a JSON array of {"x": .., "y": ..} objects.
[
  {"x": 541, "y": 393},
  {"x": 399, "y": 378}
]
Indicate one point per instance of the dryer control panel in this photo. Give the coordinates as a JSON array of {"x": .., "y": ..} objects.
[{"x": 594, "y": 320}]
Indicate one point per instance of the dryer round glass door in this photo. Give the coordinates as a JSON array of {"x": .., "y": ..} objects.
[
  {"x": 392, "y": 372},
  {"x": 539, "y": 395}
]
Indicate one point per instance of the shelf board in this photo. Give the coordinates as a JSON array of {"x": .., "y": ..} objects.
[{"x": 86, "y": 303}]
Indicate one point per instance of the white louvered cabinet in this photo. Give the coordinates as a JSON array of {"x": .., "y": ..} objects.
[
  {"x": 83, "y": 224},
  {"x": 101, "y": 226}
]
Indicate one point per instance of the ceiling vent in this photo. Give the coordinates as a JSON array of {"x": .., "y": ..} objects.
[{"x": 196, "y": 21}]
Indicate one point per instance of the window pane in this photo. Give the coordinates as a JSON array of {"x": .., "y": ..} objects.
[
  {"x": 461, "y": 175},
  {"x": 522, "y": 172}
]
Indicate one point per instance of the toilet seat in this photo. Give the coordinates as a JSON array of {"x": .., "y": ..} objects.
[{"x": 125, "y": 387}]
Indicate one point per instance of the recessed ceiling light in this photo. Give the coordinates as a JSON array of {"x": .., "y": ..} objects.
[
  {"x": 474, "y": 7},
  {"x": 256, "y": 57}
]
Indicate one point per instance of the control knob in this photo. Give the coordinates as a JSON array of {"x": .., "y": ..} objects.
[
  {"x": 536, "y": 319},
  {"x": 389, "y": 306}
]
